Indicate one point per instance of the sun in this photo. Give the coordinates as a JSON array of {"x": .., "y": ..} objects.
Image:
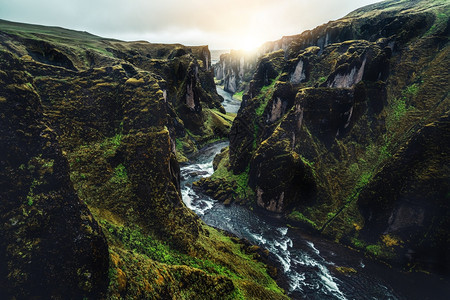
[
  {"x": 248, "y": 43},
  {"x": 251, "y": 44}
]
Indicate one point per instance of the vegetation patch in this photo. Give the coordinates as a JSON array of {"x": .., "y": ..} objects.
[
  {"x": 264, "y": 96},
  {"x": 120, "y": 175},
  {"x": 299, "y": 217},
  {"x": 133, "y": 238},
  {"x": 346, "y": 270},
  {"x": 223, "y": 173},
  {"x": 138, "y": 253},
  {"x": 238, "y": 95}
]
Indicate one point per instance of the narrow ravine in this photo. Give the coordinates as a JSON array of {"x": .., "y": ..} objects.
[
  {"x": 230, "y": 104},
  {"x": 308, "y": 263},
  {"x": 307, "y": 272}
]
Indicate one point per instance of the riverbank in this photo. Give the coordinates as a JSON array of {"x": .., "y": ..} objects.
[{"x": 310, "y": 266}]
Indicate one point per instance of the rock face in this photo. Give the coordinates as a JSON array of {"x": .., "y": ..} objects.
[
  {"x": 90, "y": 207},
  {"x": 235, "y": 69},
  {"x": 338, "y": 130},
  {"x": 50, "y": 245}
]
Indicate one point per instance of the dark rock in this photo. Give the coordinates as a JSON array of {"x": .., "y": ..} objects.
[
  {"x": 408, "y": 198},
  {"x": 50, "y": 245},
  {"x": 353, "y": 154}
]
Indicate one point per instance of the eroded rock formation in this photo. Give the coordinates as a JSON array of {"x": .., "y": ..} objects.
[
  {"x": 50, "y": 244},
  {"x": 332, "y": 121},
  {"x": 90, "y": 133}
]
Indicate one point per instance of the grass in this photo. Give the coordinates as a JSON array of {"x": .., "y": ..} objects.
[
  {"x": 110, "y": 145},
  {"x": 264, "y": 96},
  {"x": 243, "y": 191},
  {"x": 31, "y": 196},
  {"x": 120, "y": 175},
  {"x": 238, "y": 95},
  {"x": 134, "y": 239},
  {"x": 135, "y": 247},
  {"x": 299, "y": 217},
  {"x": 399, "y": 107}
]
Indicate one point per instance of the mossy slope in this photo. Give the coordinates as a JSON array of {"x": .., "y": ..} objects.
[
  {"x": 116, "y": 110},
  {"x": 331, "y": 123},
  {"x": 50, "y": 244}
]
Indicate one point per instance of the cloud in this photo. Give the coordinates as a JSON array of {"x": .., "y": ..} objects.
[{"x": 221, "y": 24}]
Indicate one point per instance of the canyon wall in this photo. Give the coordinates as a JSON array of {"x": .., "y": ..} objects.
[
  {"x": 92, "y": 130},
  {"x": 338, "y": 131}
]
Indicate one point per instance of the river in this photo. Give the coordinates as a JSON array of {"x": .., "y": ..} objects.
[{"x": 307, "y": 262}]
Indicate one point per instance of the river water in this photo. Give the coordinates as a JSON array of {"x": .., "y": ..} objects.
[{"x": 307, "y": 263}]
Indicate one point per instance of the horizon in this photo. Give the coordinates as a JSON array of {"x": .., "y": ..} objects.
[{"x": 196, "y": 23}]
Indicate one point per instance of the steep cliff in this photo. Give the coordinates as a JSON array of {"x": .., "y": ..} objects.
[
  {"x": 338, "y": 130},
  {"x": 50, "y": 245},
  {"x": 91, "y": 130},
  {"x": 235, "y": 69}
]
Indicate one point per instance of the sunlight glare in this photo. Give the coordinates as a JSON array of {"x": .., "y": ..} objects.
[{"x": 248, "y": 43}]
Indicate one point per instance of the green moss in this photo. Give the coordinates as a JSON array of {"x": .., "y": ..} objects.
[
  {"x": 115, "y": 140},
  {"x": 346, "y": 270},
  {"x": 48, "y": 164},
  {"x": 331, "y": 215},
  {"x": 398, "y": 108},
  {"x": 264, "y": 96},
  {"x": 110, "y": 145},
  {"x": 142, "y": 251},
  {"x": 222, "y": 173},
  {"x": 307, "y": 162},
  {"x": 120, "y": 175},
  {"x": 411, "y": 90},
  {"x": 31, "y": 196},
  {"x": 440, "y": 22},
  {"x": 134, "y": 239},
  {"x": 238, "y": 95},
  {"x": 299, "y": 217},
  {"x": 252, "y": 273},
  {"x": 216, "y": 126},
  {"x": 358, "y": 243},
  {"x": 179, "y": 145},
  {"x": 354, "y": 169},
  {"x": 374, "y": 249}
]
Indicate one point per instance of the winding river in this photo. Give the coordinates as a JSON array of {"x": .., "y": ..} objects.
[{"x": 308, "y": 264}]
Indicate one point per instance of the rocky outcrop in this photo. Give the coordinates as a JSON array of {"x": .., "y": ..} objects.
[
  {"x": 235, "y": 69},
  {"x": 408, "y": 198},
  {"x": 331, "y": 122},
  {"x": 50, "y": 244}
]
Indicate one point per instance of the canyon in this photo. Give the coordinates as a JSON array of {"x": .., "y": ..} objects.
[
  {"x": 344, "y": 131},
  {"x": 111, "y": 189}
]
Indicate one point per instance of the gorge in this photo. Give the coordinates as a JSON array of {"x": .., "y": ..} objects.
[{"x": 129, "y": 170}]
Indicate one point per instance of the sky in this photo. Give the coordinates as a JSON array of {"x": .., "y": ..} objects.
[{"x": 226, "y": 24}]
